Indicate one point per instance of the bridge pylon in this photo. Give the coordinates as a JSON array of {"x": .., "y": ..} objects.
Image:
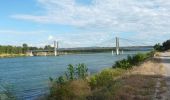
[
  {"x": 56, "y": 48},
  {"x": 117, "y": 46}
]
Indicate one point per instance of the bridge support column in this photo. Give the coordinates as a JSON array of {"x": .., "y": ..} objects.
[
  {"x": 117, "y": 46},
  {"x": 30, "y": 53},
  {"x": 55, "y": 48}
]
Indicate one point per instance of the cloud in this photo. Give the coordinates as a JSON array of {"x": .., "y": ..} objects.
[
  {"x": 150, "y": 16},
  {"x": 146, "y": 18},
  {"x": 84, "y": 39}
]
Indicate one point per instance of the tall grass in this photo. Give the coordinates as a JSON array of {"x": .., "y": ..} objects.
[{"x": 71, "y": 85}]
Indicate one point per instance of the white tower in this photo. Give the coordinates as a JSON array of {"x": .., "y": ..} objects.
[
  {"x": 55, "y": 48},
  {"x": 117, "y": 46}
]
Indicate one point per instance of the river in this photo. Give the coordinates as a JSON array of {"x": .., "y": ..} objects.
[{"x": 28, "y": 77}]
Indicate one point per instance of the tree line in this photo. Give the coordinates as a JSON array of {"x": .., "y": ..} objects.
[
  {"x": 162, "y": 47},
  {"x": 21, "y": 49}
]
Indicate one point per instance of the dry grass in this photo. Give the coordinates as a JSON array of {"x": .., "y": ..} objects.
[
  {"x": 157, "y": 54},
  {"x": 80, "y": 88},
  {"x": 136, "y": 87},
  {"x": 73, "y": 90},
  {"x": 142, "y": 82},
  {"x": 152, "y": 67},
  {"x": 132, "y": 87}
]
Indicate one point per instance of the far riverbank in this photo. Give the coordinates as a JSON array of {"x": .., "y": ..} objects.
[{"x": 11, "y": 55}]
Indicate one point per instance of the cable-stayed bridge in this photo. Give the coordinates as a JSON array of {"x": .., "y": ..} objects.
[{"x": 116, "y": 45}]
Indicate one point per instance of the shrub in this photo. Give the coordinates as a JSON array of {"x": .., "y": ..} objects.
[
  {"x": 158, "y": 47},
  {"x": 124, "y": 64},
  {"x": 165, "y": 46},
  {"x": 72, "y": 85},
  {"x": 131, "y": 61},
  {"x": 81, "y": 71},
  {"x": 70, "y": 74},
  {"x": 103, "y": 78},
  {"x": 138, "y": 58},
  {"x": 71, "y": 90},
  {"x": 60, "y": 92},
  {"x": 106, "y": 92}
]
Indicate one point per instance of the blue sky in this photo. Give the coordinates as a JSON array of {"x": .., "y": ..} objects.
[{"x": 76, "y": 23}]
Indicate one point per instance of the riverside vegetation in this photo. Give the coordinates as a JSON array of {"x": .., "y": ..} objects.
[
  {"x": 17, "y": 51},
  {"x": 116, "y": 83},
  {"x": 162, "y": 47}
]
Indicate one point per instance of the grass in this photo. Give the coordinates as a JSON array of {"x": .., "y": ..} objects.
[
  {"x": 73, "y": 90},
  {"x": 157, "y": 54},
  {"x": 132, "y": 87},
  {"x": 104, "y": 77},
  {"x": 137, "y": 87},
  {"x": 151, "y": 67}
]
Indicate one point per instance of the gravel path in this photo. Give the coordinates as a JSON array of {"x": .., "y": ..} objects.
[{"x": 165, "y": 58}]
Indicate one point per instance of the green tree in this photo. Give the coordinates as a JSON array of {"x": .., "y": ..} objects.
[
  {"x": 158, "y": 47},
  {"x": 48, "y": 47},
  {"x": 25, "y": 48},
  {"x": 166, "y": 45}
]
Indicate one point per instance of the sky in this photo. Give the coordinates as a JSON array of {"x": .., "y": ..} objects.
[{"x": 84, "y": 23}]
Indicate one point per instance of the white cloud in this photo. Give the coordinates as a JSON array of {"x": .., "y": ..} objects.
[
  {"x": 145, "y": 17},
  {"x": 118, "y": 15},
  {"x": 84, "y": 39}
]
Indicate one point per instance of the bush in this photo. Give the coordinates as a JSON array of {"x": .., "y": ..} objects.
[
  {"x": 158, "y": 47},
  {"x": 131, "y": 61},
  {"x": 78, "y": 72},
  {"x": 165, "y": 46},
  {"x": 106, "y": 92},
  {"x": 70, "y": 74},
  {"x": 81, "y": 71},
  {"x": 124, "y": 64},
  {"x": 73, "y": 90},
  {"x": 72, "y": 85},
  {"x": 103, "y": 78}
]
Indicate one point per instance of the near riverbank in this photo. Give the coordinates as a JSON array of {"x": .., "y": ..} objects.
[{"x": 130, "y": 80}]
